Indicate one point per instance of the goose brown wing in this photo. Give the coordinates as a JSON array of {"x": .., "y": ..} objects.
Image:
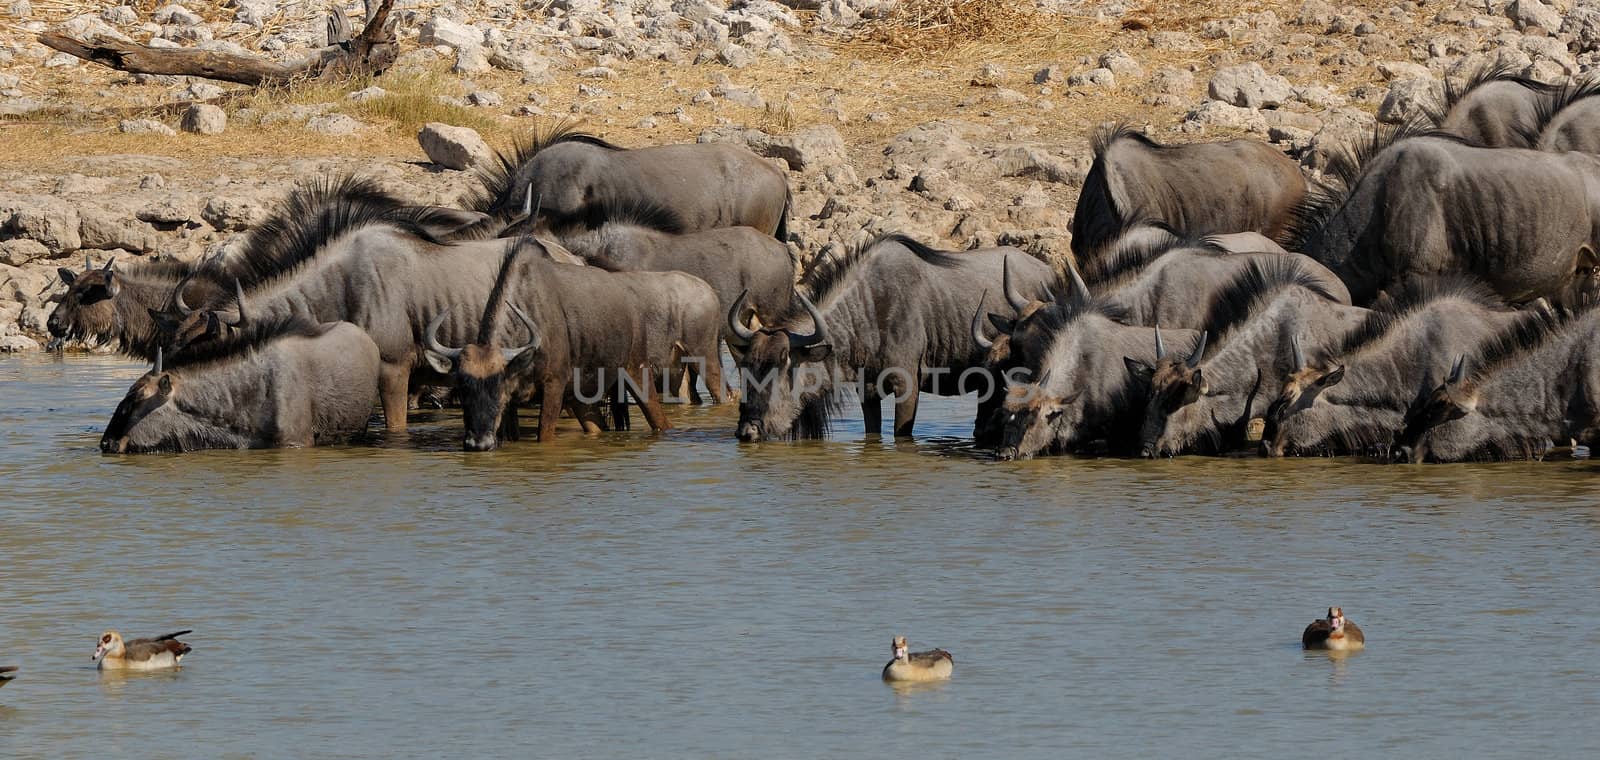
[
  {"x": 930, "y": 658},
  {"x": 1316, "y": 634},
  {"x": 6, "y": 673},
  {"x": 144, "y": 649}
]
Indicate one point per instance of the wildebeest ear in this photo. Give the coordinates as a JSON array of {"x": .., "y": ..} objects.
[
  {"x": 67, "y": 275},
  {"x": 1587, "y": 258},
  {"x": 166, "y": 324},
  {"x": 440, "y": 363},
  {"x": 813, "y": 353},
  {"x": 1332, "y": 378},
  {"x": 112, "y": 285},
  {"x": 1003, "y": 324},
  {"x": 1138, "y": 368}
]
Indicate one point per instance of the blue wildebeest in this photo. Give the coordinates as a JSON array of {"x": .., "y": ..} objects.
[
  {"x": 1083, "y": 386},
  {"x": 1526, "y": 221},
  {"x": 1535, "y": 384},
  {"x": 1199, "y": 189},
  {"x": 1570, "y": 120},
  {"x": 115, "y": 304},
  {"x": 1494, "y": 108},
  {"x": 892, "y": 318},
  {"x": 585, "y": 323},
  {"x": 576, "y": 178},
  {"x": 1353, "y": 395},
  {"x": 1262, "y": 323},
  {"x": 296, "y": 384},
  {"x": 732, "y": 260}
]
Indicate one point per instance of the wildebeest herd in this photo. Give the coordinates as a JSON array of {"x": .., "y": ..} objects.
[{"x": 1429, "y": 297}]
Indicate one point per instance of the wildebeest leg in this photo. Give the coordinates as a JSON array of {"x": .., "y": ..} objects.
[
  {"x": 905, "y": 406},
  {"x": 872, "y": 412},
  {"x": 713, "y": 376},
  {"x": 394, "y": 391},
  {"x": 983, "y": 428},
  {"x": 510, "y": 426},
  {"x": 650, "y": 406},
  {"x": 550, "y": 408}
]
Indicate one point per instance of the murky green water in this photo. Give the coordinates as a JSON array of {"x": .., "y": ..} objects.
[{"x": 685, "y": 596}]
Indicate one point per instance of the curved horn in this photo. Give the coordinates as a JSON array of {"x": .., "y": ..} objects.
[
  {"x": 239, "y": 319},
  {"x": 736, "y": 325},
  {"x": 1199, "y": 348},
  {"x": 177, "y": 295},
  {"x": 159, "y": 361},
  {"x": 1299, "y": 353},
  {"x": 1459, "y": 370},
  {"x": 1161, "y": 347},
  {"x": 977, "y": 325},
  {"x": 1080, "y": 289},
  {"x": 1018, "y": 303},
  {"x": 433, "y": 338},
  {"x": 533, "y": 335},
  {"x": 819, "y": 331}
]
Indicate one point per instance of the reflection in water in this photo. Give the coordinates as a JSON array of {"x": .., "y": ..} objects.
[{"x": 681, "y": 595}]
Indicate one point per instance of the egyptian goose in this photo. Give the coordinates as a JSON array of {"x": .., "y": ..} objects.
[
  {"x": 140, "y": 654},
  {"x": 6, "y": 674},
  {"x": 1333, "y": 633},
  {"x": 934, "y": 665}
]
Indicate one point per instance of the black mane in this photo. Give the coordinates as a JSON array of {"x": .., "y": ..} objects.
[
  {"x": 1413, "y": 296},
  {"x": 494, "y": 194},
  {"x": 1549, "y": 108},
  {"x": 1131, "y": 259},
  {"x": 824, "y": 277},
  {"x": 242, "y": 343},
  {"x": 1110, "y": 132},
  {"x": 1257, "y": 284},
  {"x": 642, "y": 212},
  {"x": 1452, "y": 95},
  {"x": 1346, "y": 166},
  {"x": 1531, "y": 329},
  {"x": 314, "y": 213}
]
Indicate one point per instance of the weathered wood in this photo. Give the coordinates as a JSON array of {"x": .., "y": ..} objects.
[
  {"x": 208, "y": 64},
  {"x": 367, "y": 53}
]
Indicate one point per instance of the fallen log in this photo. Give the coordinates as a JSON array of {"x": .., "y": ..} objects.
[{"x": 368, "y": 53}]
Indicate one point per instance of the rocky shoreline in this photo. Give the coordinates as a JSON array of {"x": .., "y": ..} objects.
[{"x": 1310, "y": 77}]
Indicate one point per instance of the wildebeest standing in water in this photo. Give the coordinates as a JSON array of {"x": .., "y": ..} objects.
[
  {"x": 1200, "y": 189},
  {"x": 584, "y": 320},
  {"x": 1527, "y": 222},
  {"x": 1261, "y": 323},
  {"x": 299, "y": 385},
  {"x": 1494, "y": 108},
  {"x": 1534, "y": 384},
  {"x": 1353, "y": 396},
  {"x": 576, "y": 178},
  {"x": 1083, "y": 387},
  {"x": 892, "y": 317}
]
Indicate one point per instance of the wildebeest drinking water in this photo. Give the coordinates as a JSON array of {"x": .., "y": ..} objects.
[
  {"x": 296, "y": 385},
  {"x": 1260, "y": 324},
  {"x": 576, "y": 178},
  {"x": 1531, "y": 386},
  {"x": 583, "y": 320},
  {"x": 892, "y": 317},
  {"x": 1354, "y": 395},
  {"x": 1198, "y": 189}
]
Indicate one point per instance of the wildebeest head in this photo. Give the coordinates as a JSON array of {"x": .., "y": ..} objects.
[
  {"x": 1176, "y": 382},
  {"x": 149, "y": 393},
  {"x": 479, "y": 372},
  {"x": 86, "y": 308},
  {"x": 183, "y": 327},
  {"x": 1035, "y": 415},
  {"x": 786, "y": 382},
  {"x": 1016, "y": 333},
  {"x": 1300, "y": 391},
  {"x": 1585, "y": 288},
  {"x": 1453, "y": 399}
]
